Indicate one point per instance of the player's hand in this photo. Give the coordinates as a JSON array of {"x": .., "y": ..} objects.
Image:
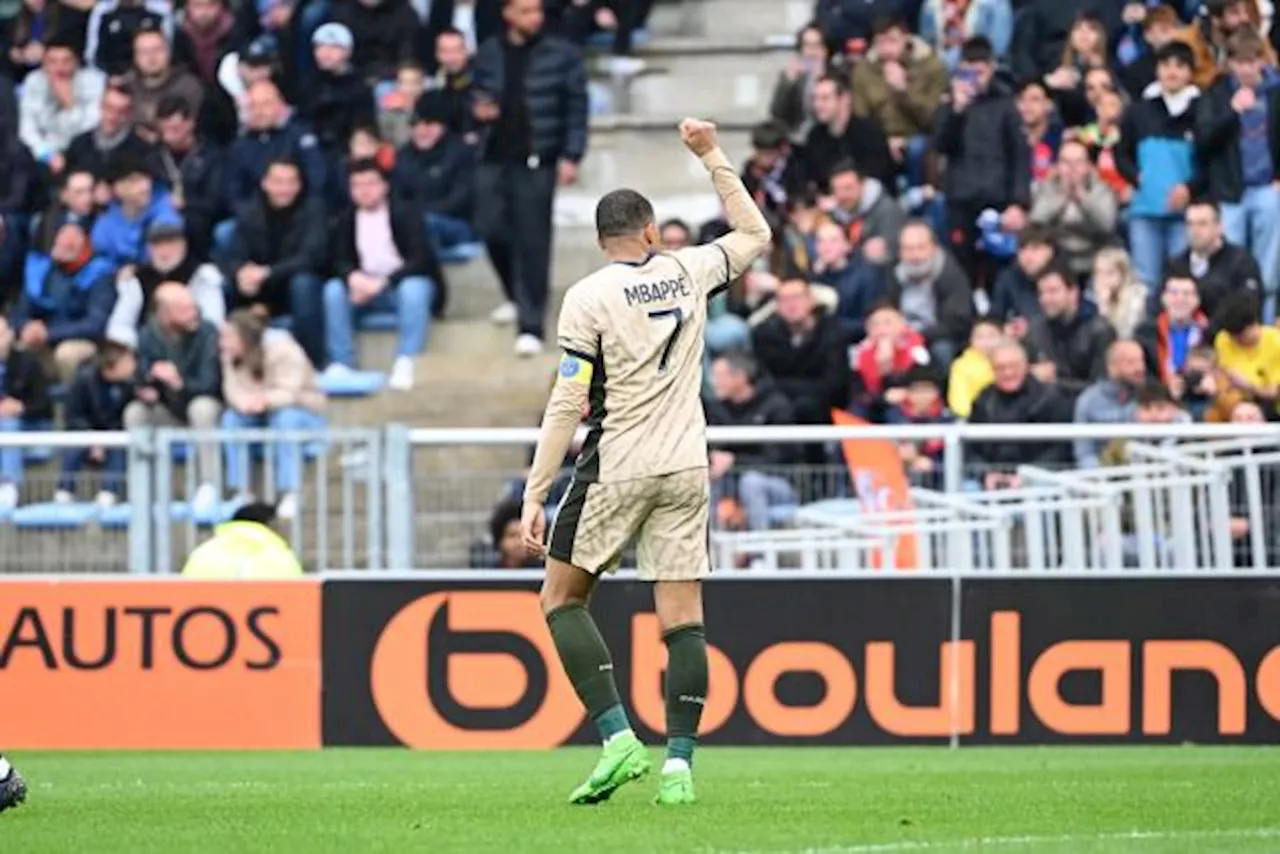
[
  {"x": 699, "y": 136},
  {"x": 533, "y": 528}
]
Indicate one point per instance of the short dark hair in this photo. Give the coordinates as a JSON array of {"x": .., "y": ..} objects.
[
  {"x": 1176, "y": 51},
  {"x": 886, "y": 23},
  {"x": 675, "y": 222},
  {"x": 1153, "y": 393},
  {"x": 978, "y": 49},
  {"x": 259, "y": 512},
  {"x": 364, "y": 164},
  {"x": 842, "y": 167},
  {"x": 110, "y": 354},
  {"x": 1237, "y": 313},
  {"x": 504, "y": 514},
  {"x": 61, "y": 41},
  {"x": 622, "y": 213},
  {"x": 768, "y": 135},
  {"x": 1036, "y": 234},
  {"x": 926, "y": 373},
  {"x": 881, "y": 304},
  {"x": 173, "y": 105},
  {"x": 842, "y": 85},
  {"x": 741, "y": 363},
  {"x": 1032, "y": 83},
  {"x": 122, "y": 165},
  {"x": 1203, "y": 202},
  {"x": 283, "y": 160},
  {"x": 811, "y": 27},
  {"x": 1055, "y": 268}
]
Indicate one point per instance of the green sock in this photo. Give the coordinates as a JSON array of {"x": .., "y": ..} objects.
[
  {"x": 686, "y": 688},
  {"x": 589, "y": 667}
]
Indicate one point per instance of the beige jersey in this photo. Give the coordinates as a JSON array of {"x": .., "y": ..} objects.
[{"x": 639, "y": 328}]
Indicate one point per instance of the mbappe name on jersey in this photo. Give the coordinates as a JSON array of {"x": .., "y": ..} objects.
[{"x": 660, "y": 291}]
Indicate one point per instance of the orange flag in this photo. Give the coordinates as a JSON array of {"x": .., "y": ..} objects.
[{"x": 879, "y": 481}]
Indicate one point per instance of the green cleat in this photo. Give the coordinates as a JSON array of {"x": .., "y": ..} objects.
[
  {"x": 676, "y": 788},
  {"x": 624, "y": 759}
]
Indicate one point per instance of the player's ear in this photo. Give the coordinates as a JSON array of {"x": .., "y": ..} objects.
[{"x": 652, "y": 236}]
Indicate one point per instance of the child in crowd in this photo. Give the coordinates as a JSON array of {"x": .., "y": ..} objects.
[
  {"x": 971, "y": 372},
  {"x": 921, "y": 403}
]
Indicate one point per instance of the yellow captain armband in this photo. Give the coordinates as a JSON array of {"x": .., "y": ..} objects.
[{"x": 575, "y": 369}]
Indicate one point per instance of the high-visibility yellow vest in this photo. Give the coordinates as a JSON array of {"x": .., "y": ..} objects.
[{"x": 243, "y": 550}]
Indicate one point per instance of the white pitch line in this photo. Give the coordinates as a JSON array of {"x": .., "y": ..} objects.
[{"x": 1034, "y": 841}]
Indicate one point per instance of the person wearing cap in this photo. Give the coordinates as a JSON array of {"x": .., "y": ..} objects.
[
  {"x": 435, "y": 174},
  {"x": 168, "y": 260},
  {"x": 237, "y": 72},
  {"x": 385, "y": 33},
  {"x": 119, "y": 234},
  {"x": 245, "y": 548},
  {"x": 337, "y": 100}
]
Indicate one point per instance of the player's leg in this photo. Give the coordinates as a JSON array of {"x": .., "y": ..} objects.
[{"x": 13, "y": 789}]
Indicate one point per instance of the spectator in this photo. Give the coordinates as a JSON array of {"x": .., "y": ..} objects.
[
  {"x": 856, "y": 285},
  {"x": 59, "y": 102},
  {"x": 454, "y": 81},
  {"x": 180, "y": 384},
  {"x": 750, "y": 473},
  {"x": 1101, "y": 138},
  {"x": 532, "y": 101},
  {"x": 971, "y": 372},
  {"x": 1248, "y": 352},
  {"x": 872, "y": 219},
  {"x": 848, "y": 23},
  {"x": 1160, "y": 25},
  {"x": 65, "y": 301},
  {"x": 796, "y": 245},
  {"x": 1120, "y": 298},
  {"x": 435, "y": 174},
  {"x": 244, "y": 548},
  {"x": 385, "y": 33},
  {"x": 900, "y": 85},
  {"x": 396, "y": 108},
  {"x": 774, "y": 173},
  {"x": 74, "y": 203},
  {"x": 921, "y": 404},
  {"x": 1067, "y": 344},
  {"x": 1210, "y": 34},
  {"x": 1085, "y": 50},
  {"x": 279, "y": 254},
  {"x": 1152, "y": 405},
  {"x": 1218, "y": 267},
  {"x": 505, "y": 547},
  {"x": 1041, "y": 126},
  {"x": 838, "y": 134},
  {"x": 273, "y": 133},
  {"x": 881, "y": 361},
  {"x": 114, "y": 136},
  {"x": 948, "y": 24},
  {"x": 932, "y": 292},
  {"x": 267, "y": 382},
  {"x": 675, "y": 235},
  {"x": 154, "y": 78},
  {"x": 1016, "y": 397},
  {"x": 119, "y": 234},
  {"x": 383, "y": 264},
  {"x": 1174, "y": 334},
  {"x": 101, "y": 389},
  {"x": 238, "y": 72},
  {"x": 1044, "y": 27},
  {"x": 1238, "y": 136},
  {"x": 1111, "y": 400},
  {"x": 209, "y": 27},
  {"x": 980, "y": 132},
  {"x": 18, "y": 180},
  {"x": 24, "y": 405},
  {"x": 114, "y": 24},
  {"x": 337, "y": 101},
  {"x": 805, "y": 352},
  {"x": 194, "y": 169},
  {"x": 168, "y": 260},
  {"x": 471, "y": 23},
  {"x": 792, "y": 101},
  {"x": 1157, "y": 157},
  {"x": 1079, "y": 207},
  {"x": 1014, "y": 299}
]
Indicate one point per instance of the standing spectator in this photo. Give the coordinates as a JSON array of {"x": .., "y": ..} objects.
[
  {"x": 385, "y": 33},
  {"x": 1014, "y": 299},
  {"x": 1160, "y": 26},
  {"x": 989, "y": 165},
  {"x": 114, "y": 136},
  {"x": 168, "y": 261},
  {"x": 1112, "y": 400},
  {"x": 1042, "y": 127},
  {"x": 113, "y": 24},
  {"x": 1248, "y": 352},
  {"x": 180, "y": 383},
  {"x": 1102, "y": 137},
  {"x": 971, "y": 372},
  {"x": 1016, "y": 397},
  {"x": 396, "y": 107},
  {"x": 774, "y": 172},
  {"x": 1067, "y": 345},
  {"x": 1238, "y": 135},
  {"x": 1044, "y": 27},
  {"x": 278, "y": 257},
  {"x": 1120, "y": 298},
  {"x": 932, "y": 292},
  {"x": 154, "y": 77},
  {"x": 848, "y": 23},
  {"x": 58, "y": 102},
  {"x": 792, "y": 101},
  {"x": 1085, "y": 51},
  {"x": 532, "y": 99},
  {"x": 1219, "y": 268},
  {"x": 805, "y": 352},
  {"x": 1170, "y": 339},
  {"x": 948, "y": 24},
  {"x": 337, "y": 101},
  {"x": 65, "y": 301},
  {"x": 872, "y": 219},
  {"x": 435, "y": 175},
  {"x": 18, "y": 181},
  {"x": 273, "y": 132},
  {"x": 24, "y": 405},
  {"x": 120, "y": 233},
  {"x": 1157, "y": 156},
  {"x": 454, "y": 80},
  {"x": 209, "y": 27},
  {"x": 1211, "y": 32},
  {"x": 1079, "y": 207},
  {"x": 194, "y": 169},
  {"x": 472, "y": 23},
  {"x": 383, "y": 264},
  {"x": 267, "y": 382},
  {"x": 101, "y": 389},
  {"x": 839, "y": 134},
  {"x": 856, "y": 285}
]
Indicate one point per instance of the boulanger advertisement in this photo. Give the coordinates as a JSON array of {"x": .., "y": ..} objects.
[{"x": 470, "y": 665}]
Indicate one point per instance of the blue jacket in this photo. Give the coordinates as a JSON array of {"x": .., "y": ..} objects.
[
  {"x": 72, "y": 305},
  {"x": 253, "y": 150},
  {"x": 1159, "y": 148},
  {"x": 121, "y": 241}
]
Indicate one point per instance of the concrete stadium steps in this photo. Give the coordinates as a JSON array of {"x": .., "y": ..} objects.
[
  {"x": 709, "y": 79},
  {"x": 730, "y": 18},
  {"x": 647, "y": 156}
]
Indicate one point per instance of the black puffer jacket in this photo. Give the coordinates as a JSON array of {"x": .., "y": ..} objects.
[
  {"x": 333, "y": 105},
  {"x": 1076, "y": 347},
  {"x": 386, "y": 34},
  {"x": 988, "y": 161},
  {"x": 1033, "y": 403}
]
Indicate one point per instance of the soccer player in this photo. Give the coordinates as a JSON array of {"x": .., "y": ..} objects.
[
  {"x": 632, "y": 335},
  {"x": 13, "y": 789}
]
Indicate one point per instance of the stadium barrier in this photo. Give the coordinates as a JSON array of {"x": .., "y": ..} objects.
[{"x": 464, "y": 661}]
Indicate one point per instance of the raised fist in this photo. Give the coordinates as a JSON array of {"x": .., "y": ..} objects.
[{"x": 698, "y": 136}]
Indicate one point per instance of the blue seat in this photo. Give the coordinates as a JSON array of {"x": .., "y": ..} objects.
[
  {"x": 378, "y": 321},
  {"x": 116, "y": 518},
  {"x": 462, "y": 253},
  {"x": 181, "y": 511},
  {"x": 782, "y": 514},
  {"x": 355, "y": 384},
  {"x": 51, "y": 515}
]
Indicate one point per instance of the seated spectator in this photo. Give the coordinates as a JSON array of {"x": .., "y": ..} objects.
[
  {"x": 1079, "y": 207},
  {"x": 504, "y": 548},
  {"x": 396, "y": 108},
  {"x": 857, "y": 285},
  {"x": 946, "y": 25},
  {"x": 273, "y": 133},
  {"x": 971, "y": 372},
  {"x": 435, "y": 175},
  {"x": 267, "y": 382},
  {"x": 872, "y": 219},
  {"x": 364, "y": 144},
  {"x": 99, "y": 393},
  {"x": 1248, "y": 352},
  {"x": 1014, "y": 300},
  {"x": 209, "y": 27},
  {"x": 773, "y": 173},
  {"x": 838, "y": 134},
  {"x": 59, "y": 102},
  {"x": 1219, "y": 268},
  {"x": 1101, "y": 137},
  {"x": 66, "y": 298},
  {"x": 1111, "y": 400},
  {"x": 675, "y": 235},
  {"x": 179, "y": 380},
  {"x": 155, "y": 78},
  {"x": 1177, "y": 331},
  {"x": 1152, "y": 405},
  {"x": 880, "y": 363},
  {"x": 932, "y": 292},
  {"x": 1157, "y": 157},
  {"x": 194, "y": 169},
  {"x": 1120, "y": 298},
  {"x": 74, "y": 203},
  {"x": 921, "y": 404},
  {"x": 114, "y": 24},
  {"x": 751, "y": 474},
  {"x": 238, "y": 72},
  {"x": 1198, "y": 386},
  {"x": 383, "y": 263},
  {"x": 35, "y": 23},
  {"x": 119, "y": 234},
  {"x": 385, "y": 33},
  {"x": 453, "y": 81},
  {"x": 791, "y": 103},
  {"x": 112, "y": 138},
  {"x": 1041, "y": 126},
  {"x": 167, "y": 261},
  {"x": 1016, "y": 397},
  {"x": 1068, "y": 343},
  {"x": 278, "y": 255},
  {"x": 796, "y": 244},
  {"x": 24, "y": 405},
  {"x": 337, "y": 101}
]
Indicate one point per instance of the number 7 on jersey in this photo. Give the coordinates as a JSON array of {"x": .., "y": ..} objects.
[{"x": 678, "y": 314}]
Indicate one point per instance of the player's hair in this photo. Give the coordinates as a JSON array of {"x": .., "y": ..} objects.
[
  {"x": 150, "y": 31},
  {"x": 1237, "y": 313},
  {"x": 1245, "y": 45},
  {"x": 882, "y": 304},
  {"x": 622, "y": 213},
  {"x": 978, "y": 49},
  {"x": 917, "y": 222},
  {"x": 926, "y": 373}
]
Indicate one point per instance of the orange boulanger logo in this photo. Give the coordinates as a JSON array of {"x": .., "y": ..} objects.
[
  {"x": 160, "y": 664},
  {"x": 476, "y": 679}
]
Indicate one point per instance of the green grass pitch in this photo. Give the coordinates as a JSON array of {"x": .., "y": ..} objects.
[{"x": 835, "y": 801}]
